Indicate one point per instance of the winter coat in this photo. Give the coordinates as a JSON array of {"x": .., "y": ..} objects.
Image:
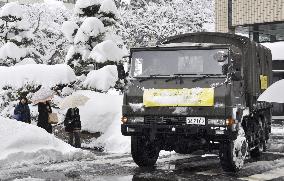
[
  {"x": 72, "y": 120},
  {"x": 22, "y": 113},
  {"x": 44, "y": 110}
]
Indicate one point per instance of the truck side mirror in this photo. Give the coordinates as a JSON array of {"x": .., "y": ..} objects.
[
  {"x": 220, "y": 56},
  {"x": 236, "y": 76}
]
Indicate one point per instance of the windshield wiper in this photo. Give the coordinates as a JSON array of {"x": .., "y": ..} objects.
[
  {"x": 150, "y": 77},
  {"x": 205, "y": 76},
  {"x": 178, "y": 76}
]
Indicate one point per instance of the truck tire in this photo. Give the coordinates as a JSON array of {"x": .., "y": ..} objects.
[
  {"x": 144, "y": 152},
  {"x": 233, "y": 153}
]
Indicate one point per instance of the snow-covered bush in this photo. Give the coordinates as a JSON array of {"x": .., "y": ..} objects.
[
  {"x": 146, "y": 22},
  {"x": 24, "y": 80}
]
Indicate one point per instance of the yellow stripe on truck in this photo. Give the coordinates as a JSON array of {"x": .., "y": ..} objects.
[{"x": 178, "y": 97}]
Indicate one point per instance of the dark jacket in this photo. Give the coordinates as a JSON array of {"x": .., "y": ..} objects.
[
  {"x": 44, "y": 110},
  {"x": 72, "y": 120},
  {"x": 22, "y": 113}
]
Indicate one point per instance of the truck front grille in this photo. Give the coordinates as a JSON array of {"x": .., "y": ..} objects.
[{"x": 165, "y": 120}]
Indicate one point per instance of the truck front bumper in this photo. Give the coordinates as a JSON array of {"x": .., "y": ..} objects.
[{"x": 211, "y": 132}]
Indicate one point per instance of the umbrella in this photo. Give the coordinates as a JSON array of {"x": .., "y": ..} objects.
[
  {"x": 74, "y": 100},
  {"x": 273, "y": 93},
  {"x": 42, "y": 95}
]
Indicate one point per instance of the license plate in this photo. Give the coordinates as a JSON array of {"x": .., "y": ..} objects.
[{"x": 195, "y": 120}]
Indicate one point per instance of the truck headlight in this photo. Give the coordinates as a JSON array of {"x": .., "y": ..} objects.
[
  {"x": 218, "y": 122},
  {"x": 136, "y": 120}
]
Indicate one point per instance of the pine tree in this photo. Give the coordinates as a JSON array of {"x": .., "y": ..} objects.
[{"x": 93, "y": 28}]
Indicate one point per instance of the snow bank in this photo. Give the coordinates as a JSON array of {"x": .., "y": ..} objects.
[
  {"x": 102, "y": 79},
  {"x": 12, "y": 9},
  {"x": 102, "y": 113},
  {"x": 11, "y": 50},
  {"x": 18, "y": 138},
  {"x": 26, "y": 61},
  {"x": 276, "y": 50},
  {"x": 91, "y": 26},
  {"x": 46, "y": 75},
  {"x": 108, "y": 6},
  {"x": 106, "y": 51},
  {"x": 68, "y": 28}
]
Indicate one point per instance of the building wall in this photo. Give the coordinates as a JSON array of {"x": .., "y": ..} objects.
[
  {"x": 247, "y": 12},
  {"x": 221, "y": 15},
  {"x": 257, "y": 11}
]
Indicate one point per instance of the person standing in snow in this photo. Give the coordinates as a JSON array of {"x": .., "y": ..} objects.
[
  {"x": 44, "y": 109},
  {"x": 72, "y": 125},
  {"x": 22, "y": 111}
]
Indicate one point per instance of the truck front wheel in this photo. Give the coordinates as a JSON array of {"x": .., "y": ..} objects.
[
  {"x": 144, "y": 152},
  {"x": 233, "y": 153}
]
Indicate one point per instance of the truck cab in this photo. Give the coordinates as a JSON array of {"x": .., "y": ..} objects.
[{"x": 187, "y": 95}]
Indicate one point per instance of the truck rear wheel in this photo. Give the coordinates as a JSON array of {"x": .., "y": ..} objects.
[
  {"x": 233, "y": 153},
  {"x": 144, "y": 152}
]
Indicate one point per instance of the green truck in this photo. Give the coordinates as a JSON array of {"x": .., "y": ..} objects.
[{"x": 198, "y": 91}]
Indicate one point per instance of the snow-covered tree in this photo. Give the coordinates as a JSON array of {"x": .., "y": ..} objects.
[
  {"x": 14, "y": 34},
  {"x": 93, "y": 38},
  {"x": 32, "y": 31},
  {"x": 146, "y": 22},
  {"x": 49, "y": 44}
]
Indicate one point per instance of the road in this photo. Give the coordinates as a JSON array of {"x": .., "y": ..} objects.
[{"x": 170, "y": 166}]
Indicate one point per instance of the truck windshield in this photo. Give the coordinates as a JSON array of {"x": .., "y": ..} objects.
[{"x": 167, "y": 62}]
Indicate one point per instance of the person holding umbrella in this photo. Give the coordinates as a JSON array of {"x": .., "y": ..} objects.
[
  {"x": 42, "y": 98},
  {"x": 72, "y": 121},
  {"x": 44, "y": 109},
  {"x": 72, "y": 125}
]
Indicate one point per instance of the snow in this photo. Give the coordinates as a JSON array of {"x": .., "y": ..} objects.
[
  {"x": 81, "y": 4},
  {"x": 26, "y": 61},
  {"x": 102, "y": 79},
  {"x": 273, "y": 93},
  {"x": 46, "y": 75},
  {"x": 108, "y": 6},
  {"x": 42, "y": 94},
  {"x": 276, "y": 50},
  {"x": 12, "y": 9},
  {"x": 106, "y": 51},
  {"x": 11, "y": 50},
  {"x": 102, "y": 113},
  {"x": 20, "y": 139},
  {"x": 137, "y": 107},
  {"x": 91, "y": 26},
  {"x": 68, "y": 29}
]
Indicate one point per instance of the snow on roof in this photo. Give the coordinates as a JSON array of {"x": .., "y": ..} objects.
[
  {"x": 39, "y": 74},
  {"x": 20, "y": 138},
  {"x": 11, "y": 50},
  {"x": 188, "y": 44},
  {"x": 68, "y": 28},
  {"x": 26, "y": 61},
  {"x": 277, "y": 50},
  {"x": 106, "y": 51},
  {"x": 91, "y": 26},
  {"x": 108, "y": 6},
  {"x": 80, "y": 4},
  {"x": 12, "y": 9},
  {"x": 102, "y": 79}
]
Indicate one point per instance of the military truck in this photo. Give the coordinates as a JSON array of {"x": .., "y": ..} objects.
[{"x": 198, "y": 91}]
